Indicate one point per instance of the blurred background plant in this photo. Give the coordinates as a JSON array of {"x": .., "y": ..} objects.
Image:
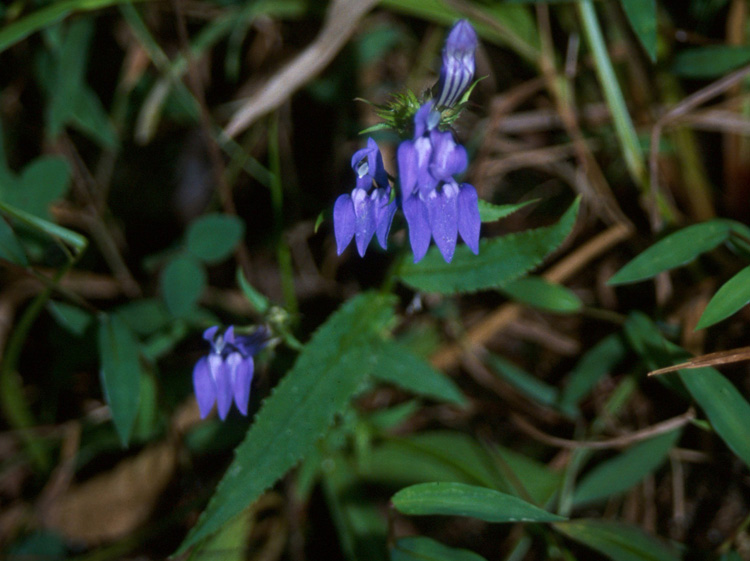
[{"x": 169, "y": 165}]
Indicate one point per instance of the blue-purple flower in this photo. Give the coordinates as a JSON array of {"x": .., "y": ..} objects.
[
  {"x": 435, "y": 205},
  {"x": 369, "y": 209},
  {"x": 457, "y": 70},
  {"x": 226, "y": 373}
]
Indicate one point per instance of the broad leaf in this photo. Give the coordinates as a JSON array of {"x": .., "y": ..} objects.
[
  {"x": 620, "y": 542},
  {"x": 213, "y": 237},
  {"x": 730, "y": 298},
  {"x": 459, "y": 499},
  {"x": 182, "y": 283},
  {"x": 500, "y": 260},
  {"x": 327, "y": 373},
  {"x": 710, "y": 61},
  {"x": 543, "y": 295},
  {"x": 673, "y": 251},
  {"x": 489, "y": 212},
  {"x": 120, "y": 373},
  {"x": 10, "y": 248},
  {"x": 419, "y": 548}
]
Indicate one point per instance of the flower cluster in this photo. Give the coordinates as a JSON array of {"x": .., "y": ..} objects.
[
  {"x": 226, "y": 373},
  {"x": 435, "y": 205}
]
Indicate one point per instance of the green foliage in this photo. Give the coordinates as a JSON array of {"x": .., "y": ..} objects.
[
  {"x": 618, "y": 541},
  {"x": 730, "y": 298},
  {"x": 489, "y": 212},
  {"x": 302, "y": 406},
  {"x": 213, "y": 237},
  {"x": 500, "y": 260},
  {"x": 418, "y": 548},
  {"x": 543, "y": 295},
  {"x": 459, "y": 499},
  {"x": 120, "y": 373},
  {"x": 642, "y": 17},
  {"x": 42, "y": 182},
  {"x": 711, "y": 61},
  {"x": 182, "y": 283}
]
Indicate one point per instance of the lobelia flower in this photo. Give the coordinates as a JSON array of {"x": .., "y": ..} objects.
[
  {"x": 434, "y": 204},
  {"x": 226, "y": 373},
  {"x": 368, "y": 210},
  {"x": 457, "y": 70}
]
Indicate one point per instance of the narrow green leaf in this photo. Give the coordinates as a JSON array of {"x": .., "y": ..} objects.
[
  {"x": 256, "y": 299},
  {"x": 673, "y": 251},
  {"x": 90, "y": 118},
  {"x": 710, "y": 61},
  {"x": 419, "y": 548},
  {"x": 619, "y": 542},
  {"x": 489, "y": 212},
  {"x": 63, "y": 235},
  {"x": 71, "y": 69},
  {"x": 213, "y": 237},
  {"x": 459, "y": 499},
  {"x": 596, "y": 363},
  {"x": 528, "y": 385},
  {"x": 399, "y": 366},
  {"x": 642, "y": 17},
  {"x": 622, "y": 472},
  {"x": 500, "y": 260},
  {"x": 327, "y": 373},
  {"x": 182, "y": 283},
  {"x": 543, "y": 295},
  {"x": 120, "y": 373},
  {"x": 69, "y": 317},
  {"x": 730, "y": 298},
  {"x": 10, "y": 248}
]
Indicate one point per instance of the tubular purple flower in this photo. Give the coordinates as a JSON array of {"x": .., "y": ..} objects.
[
  {"x": 226, "y": 373},
  {"x": 369, "y": 209},
  {"x": 457, "y": 70},
  {"x": 435, "y": 205}
]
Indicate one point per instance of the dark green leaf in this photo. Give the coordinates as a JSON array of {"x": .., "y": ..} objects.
[
  {"x": 256, "y": 299},
  {"x": 418, "y": 548},
  {"x": 91, "y": 119},
  {"x": 182, "y": 283},
  {"x": 489, "y": 212},
  {"x": 44, "y": 181},
  {"x": 327, "y": 373},
  {"x": 145, "y": 317},
  {"x": 459, "y": 499},
  {"x": 525, "y": 383},
  {"x": 120, "y": 373},
  {"x": 544, "y": 295},
  {"x": 620, "y": 473},
  {"x": 620, "y": 542},
  {"x": 730, "y": 298},
  {"x": 642, "y": 17},
  {"x": 399, "y": 366},
  {"x": 673, "y": 251},
  {"x": 710, "y": 61},
  {"x": 72, "y": 318},
  {"x": 10, "y": 248},
  {"x": 500, "y": 260},
  {"x": 213, "y": 237}
]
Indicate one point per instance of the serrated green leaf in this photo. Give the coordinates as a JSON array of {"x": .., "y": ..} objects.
[
  {"x": 730, "y": 298},
  {"x": 625, "y": 470},
  {"x": 10, "y": 248},
  {"x": 543, "y": 295},
  {"x": 182, "y": 282},
  {"x": 489, "y": 212},
  {"x": 642, "y": 17},
  {"x": 120, "y": 373},
  {"x": 420, "y": 548},
  {"x": 213, "y": 237},
  {"x": 500, "y": 260},
  {"x": 710, "y": 61},
  {"x": 399, "y": 366},
  {"x": 673, "y": 251},
  {"x": 460, "y": 499},
  {"x": 619, "y": 542},
  {"x": 327, "y": 373}
]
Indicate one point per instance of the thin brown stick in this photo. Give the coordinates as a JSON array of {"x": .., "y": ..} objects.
[
  {"x": 712, "y": 359},
  {"x": 618, "y": 442}
]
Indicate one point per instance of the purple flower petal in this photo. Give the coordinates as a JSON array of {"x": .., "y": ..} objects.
[
  {"x": 241, "y": 375},
  {"x": 210, "y": 333},
  {"x": 220, "y": 374},
  {"x": 365, "y": 224},
  {"x": 469, "y": 221},
  {"x": 408, "y": 167},
  {"x": 384, "y": 212},
  {"x": 458, "y": 64},
  {"x": 344, "y": 222},
  {"x": 425, "y": 119},
  {"x": 419, "y": 227},
  {"x": 448, "y": 158},
  {"x": 204, "y": 386},
  {"x": 443, "y": 217}
]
